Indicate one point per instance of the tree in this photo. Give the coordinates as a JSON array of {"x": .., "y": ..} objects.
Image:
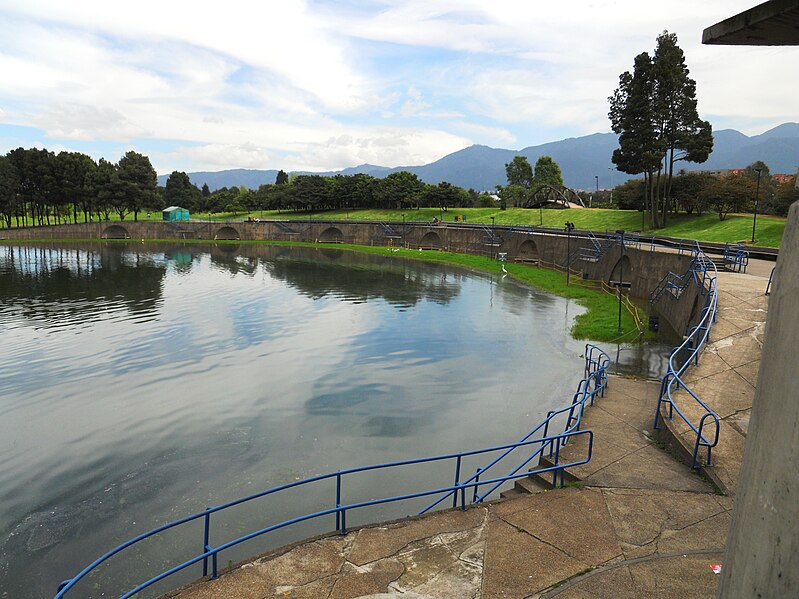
[
  {"x": 37, "y": 182},
  {"x": 685, "y": 135},
  {"x": 400, "y": 190},
  {"x": 282, "y": 178},
  {"x": 108, "y": 190},
  {"x": 310, "y": 192},
  {"x": 728, "y": 194},
  {"x": 630, "y": 195},
  {"x": 180, "y": 191},
  {"x": 654, "y": 113},
  {"x": 444, "y": 195},
  {"x": 519, "y": 172},
  {"x": 687, "y": 188},
  {"x": 74, "y": 173},
  {"x": 787, "y": 193},
  {"x": 520, "y": 179},
  {"x": 138, "y": 182},
  {"x": 632, "y": 118},
  {"x": 547, "y": 172},
  {"x": 9, "y": 184}
]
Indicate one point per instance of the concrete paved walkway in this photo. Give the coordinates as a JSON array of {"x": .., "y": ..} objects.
[{"x": 638, "y": 524}]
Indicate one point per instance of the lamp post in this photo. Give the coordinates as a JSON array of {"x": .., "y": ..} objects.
[
  {"x": 757, "y": 196},
  {"x": 569, "y": 227},
  {"x": 403, "y": 230},
  {"x": 597, "y": 187},
  {"x": 621, "y": 272},
  {"x": 493, "y": 237},
  {"x": 611, "y": 185}
]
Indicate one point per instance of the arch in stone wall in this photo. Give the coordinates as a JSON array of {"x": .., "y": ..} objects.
[
  {"x": 528, "y": 251},
  {"x": 622, "y": 271},
  {"x": 115, "y": 232},
  {"x": 331, "y": 235},
  {"x": 431, "y": 240},
  {"x": 227, "y": 232}
]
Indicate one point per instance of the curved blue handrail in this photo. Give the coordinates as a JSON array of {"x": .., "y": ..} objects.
[
  {"x": 594, "y": 383},
  {"x": 705, "y": 275}
]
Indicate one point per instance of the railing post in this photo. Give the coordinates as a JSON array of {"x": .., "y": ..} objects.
[
  {"x": 343, "y": 522},
  {"x": 557, "y": 462},
  {"x": 457, "y": 481},
  {"x": 338, "y": 500},
  {"x": 476, "y": 480},
  {"x": 206, "y": 537},
  {"x": 214, "y": 569}
]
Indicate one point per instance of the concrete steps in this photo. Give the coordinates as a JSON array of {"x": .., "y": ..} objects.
[{"x": 536, "y": 483}]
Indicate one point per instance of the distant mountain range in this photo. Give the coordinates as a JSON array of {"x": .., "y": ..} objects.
[{"x": 581, "y": 159}]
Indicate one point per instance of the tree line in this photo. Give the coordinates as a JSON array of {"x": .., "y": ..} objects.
[
  {"x": 697, "y": 192},
  {"x": 40, "y": 187},
  {"x": 400, "y": 190}
]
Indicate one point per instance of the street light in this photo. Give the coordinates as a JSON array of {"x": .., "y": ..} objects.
[
  {"x": 493, "y": 236},
  {"x": 610, "y": 168},
  {"x": 597, "y": 187},
  {"x": 757, "y": 196},
  {"x": 569, "y": 228},
  {"x": 621, "y": 272},
  {"x": 403, "y": 230}
]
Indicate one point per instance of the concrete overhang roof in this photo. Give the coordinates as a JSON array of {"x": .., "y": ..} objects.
[{"x": 773, "y": 23}]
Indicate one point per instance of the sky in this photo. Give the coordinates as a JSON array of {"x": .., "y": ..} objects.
[{"x": 323, "y": 85}]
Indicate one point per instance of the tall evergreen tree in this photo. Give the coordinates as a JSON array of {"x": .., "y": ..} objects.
[
  {"x": 654, "y": 113},
  {"x": 139, "y": 181}
]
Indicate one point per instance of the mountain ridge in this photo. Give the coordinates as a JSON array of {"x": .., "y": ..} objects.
[{"x": 584, "y": 161}]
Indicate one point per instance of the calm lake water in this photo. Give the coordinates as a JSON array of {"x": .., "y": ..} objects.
[{"x": 139, "y": 384}]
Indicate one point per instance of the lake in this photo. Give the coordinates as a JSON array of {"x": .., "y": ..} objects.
[{"x": 141, "y": 383}]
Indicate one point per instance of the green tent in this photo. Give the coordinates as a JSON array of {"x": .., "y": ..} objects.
[{"x": 175, "y": 213}]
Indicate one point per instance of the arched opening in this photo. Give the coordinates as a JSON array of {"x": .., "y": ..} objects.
[
  {"x": 622, "y": 273},
  {"x": 331, "y": 235},
  {"x": 431, "y": 241},
  {"x": 227, "y": 233},
  {"x": 528, "y": 251},
  {"x": 116, "y": 232}
]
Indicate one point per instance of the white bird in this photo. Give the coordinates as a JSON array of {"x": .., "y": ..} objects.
[
  {"x": 503, "y": 269},
  {"x": 395, "y": 250},
  {"x": 420, "y": 249}
]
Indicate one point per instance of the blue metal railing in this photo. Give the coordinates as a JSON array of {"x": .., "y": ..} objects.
[
  {"x": 594, "y": 383},
  {"x": 770, "y": 281},
  {"x": 703, "y": 272},
  {"x": 736, "y": 258}
]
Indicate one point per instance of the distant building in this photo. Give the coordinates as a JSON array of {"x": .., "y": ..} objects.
[{"x": 174, "y": 213}]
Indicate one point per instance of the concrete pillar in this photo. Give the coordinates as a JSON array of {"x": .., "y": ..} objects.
[{"x": 762, "y": 556}]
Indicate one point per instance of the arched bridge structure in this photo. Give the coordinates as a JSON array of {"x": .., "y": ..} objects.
[{"x": 555, "y": 196}]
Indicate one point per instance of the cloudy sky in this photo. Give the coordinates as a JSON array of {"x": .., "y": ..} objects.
[{"x": 317, "y": 85}]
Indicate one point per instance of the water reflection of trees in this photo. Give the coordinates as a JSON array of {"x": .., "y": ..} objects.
[
  {"x": 361, "y": 277},
  {"x": 53, "y": 283},
  {"x": 321, "y": 272}
]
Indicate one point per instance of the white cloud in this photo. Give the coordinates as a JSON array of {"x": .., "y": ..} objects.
[{"x": 301, "y": 84}]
